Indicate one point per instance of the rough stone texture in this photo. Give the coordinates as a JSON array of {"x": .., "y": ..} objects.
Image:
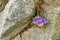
[
  {"x": 35, "y": 34},
  {"x": 18, "y": 12},
  {"x": 17, "y": 37},
  {"x": 38, "y": 34},
  {"x": 2, "y": 4},
  {"x": 56, "y": 35},
  {"x": 53, "y": 2},
  {"x": 52, "y": 12},
  {"x": 15, "y": 17}
]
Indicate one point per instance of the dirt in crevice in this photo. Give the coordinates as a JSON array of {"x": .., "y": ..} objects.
[
  {"x": 25, "y": 29},
  {"x": 3, "y": 4},
  {"x": 39, "y": 7}
]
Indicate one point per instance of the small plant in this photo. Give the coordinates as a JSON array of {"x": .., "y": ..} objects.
[{"x": 40, "y": 22}]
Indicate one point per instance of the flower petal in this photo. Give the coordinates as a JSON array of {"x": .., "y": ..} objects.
[
  {"x": 38, "y": 17},
  {"x": 36, "y": 20},
  {"x": 33, "y": 21},
  {"x": 40, "y": 24},
  {"x": 45, "y": 20}
]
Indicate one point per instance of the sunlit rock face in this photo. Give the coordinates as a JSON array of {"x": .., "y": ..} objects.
[
  {"x": 53, "y": 2},
  {"x": 56, "y": 35},
  {"x": 15, "y": 17},
  {"x": 52, "y": 12},
  {"x": 3, "y": 3}
]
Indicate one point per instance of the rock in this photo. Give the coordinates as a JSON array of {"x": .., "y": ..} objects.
[
  {"x": 2, "y": 4},
  {"x": 16, "y": 38},
  {"x": 39, "y": 34},
  {"x": 52, "y": 12},
  {"x": 16, "y": 16},
  {"x": 53, "y": 2},
  {"x": 56, "y": 35},
  {"x": 34, "y": 34}
]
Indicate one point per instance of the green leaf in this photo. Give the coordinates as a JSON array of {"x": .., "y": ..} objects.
[
  {"x": 43, "y": 16},
  {"x": 44, "y": 27},
  {"x": 34, "y": 26}
]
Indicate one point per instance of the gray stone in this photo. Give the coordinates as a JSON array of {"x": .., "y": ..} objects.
[
  {"x": 52, "y": 32},
  {"x": 16, "y": 16},
  {"x": 17, "y": 37},
  {"x": 56, "y": 35},
  {"x": 39, "y": 34},
  {"x": 53, "y": 2}
]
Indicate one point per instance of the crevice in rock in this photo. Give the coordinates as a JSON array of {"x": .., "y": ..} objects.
[
  {"x": 38, "y": 8},
  {"x": 3, "y": 4},
  {"x": 25, "y": 29}
]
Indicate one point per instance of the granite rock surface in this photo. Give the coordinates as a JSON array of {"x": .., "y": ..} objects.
[{"x": 16, "y": 16}]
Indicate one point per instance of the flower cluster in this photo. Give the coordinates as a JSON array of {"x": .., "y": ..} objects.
[{"x": 39, "y": 21}]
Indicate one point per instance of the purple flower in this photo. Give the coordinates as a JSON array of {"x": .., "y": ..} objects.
[
  {"x": 35, "y": 21},
  {"x": 39, "y": 21},
  {"x": 45, "y": 20}
]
